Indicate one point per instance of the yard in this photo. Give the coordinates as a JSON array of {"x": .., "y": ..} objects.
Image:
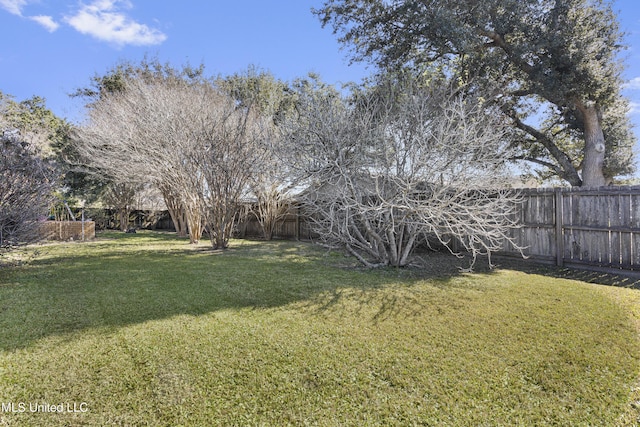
[{"x": 145, "y": 329}]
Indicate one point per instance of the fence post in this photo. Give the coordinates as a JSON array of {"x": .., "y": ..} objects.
[
  {"x": 297, "y": 210},
  {"x": 559, "y": 228}
]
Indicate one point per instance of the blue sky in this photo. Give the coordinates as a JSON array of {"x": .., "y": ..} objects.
[{"x": 52, "y": 47}]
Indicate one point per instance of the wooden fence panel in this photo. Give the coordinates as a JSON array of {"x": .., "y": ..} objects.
[{"x": 598, "y": 228}]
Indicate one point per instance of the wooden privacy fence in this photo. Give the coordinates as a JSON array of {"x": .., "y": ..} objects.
[
  {"x": 595, "y": 228},
  {"x": 294, "y": 225}
]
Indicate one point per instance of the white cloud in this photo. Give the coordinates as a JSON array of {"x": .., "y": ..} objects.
[
  {"x": 103, "y": 20},
  {"x": 13, "y": 6},
  {"x": 633, "y": 84},
  {"x": 634, "y": 108},
  {"x": 46, "y": 21}
]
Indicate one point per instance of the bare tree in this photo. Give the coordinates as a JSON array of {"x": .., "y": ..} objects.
[
  {"x": 272, "y": 204},
  {"x": 229, "y": 154},
  {"x": 28, "y": 175},
  {"x": 192, "y": 141},
  {"x": 176, "y": 209},
  {"x": 272, "y": 100},
  {"x": 270, "y": 185},
  {"x": 395, "y": 168},
  {"x": 26, "y": 190},
  {"x": 121, "y": 197},
  {"x": 141, "y": 134}
]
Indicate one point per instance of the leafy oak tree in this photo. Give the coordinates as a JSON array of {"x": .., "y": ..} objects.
[{"x": 553, "y": 55}]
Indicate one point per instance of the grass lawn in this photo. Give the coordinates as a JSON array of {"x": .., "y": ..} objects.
[{"x": 145, "y": 330}]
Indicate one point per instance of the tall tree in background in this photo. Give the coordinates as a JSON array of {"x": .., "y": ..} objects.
[
  {"x": 559, "y": 55},
  {"x": 260, "y": 90},
  {"x": 37, "y": 125}
]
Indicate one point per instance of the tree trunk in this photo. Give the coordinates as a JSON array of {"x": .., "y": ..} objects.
[
  {"x": 176, "y": 211},
  {"x": 594, "y": 148},
  {"x": 123, "y": 214},
  {"x": 194, "y": 222}
]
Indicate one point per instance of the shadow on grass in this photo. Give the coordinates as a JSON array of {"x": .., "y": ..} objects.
[
  {"x": 622, "y": 280},
  {"x": 124, "y": 279},
  {"x": 131, "y": 279}
]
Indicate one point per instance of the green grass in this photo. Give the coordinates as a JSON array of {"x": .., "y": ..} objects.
[{"x": 145, "y": 330}]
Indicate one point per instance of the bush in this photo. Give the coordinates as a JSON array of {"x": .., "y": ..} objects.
[{"x": 26, "y": 191}]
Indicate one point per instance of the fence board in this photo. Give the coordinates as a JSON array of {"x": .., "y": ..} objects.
[
  {"x": 634, "y": 210},
  {"x": 627, "y": 249},
  {"x": 615, "y": 248},
  {"x": 635, "y": 255}
]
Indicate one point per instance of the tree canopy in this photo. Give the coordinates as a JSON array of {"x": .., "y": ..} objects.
[
  {"x": 36, "y": 124},
  {"x": 557, "y": 56}
]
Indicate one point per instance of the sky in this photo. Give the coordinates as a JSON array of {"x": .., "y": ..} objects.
[{"x": 50, "y": 48}]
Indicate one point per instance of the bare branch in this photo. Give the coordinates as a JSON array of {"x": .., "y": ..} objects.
[
  {"x": 187, "y": 138},
  {"x": 385, "y": 175}
]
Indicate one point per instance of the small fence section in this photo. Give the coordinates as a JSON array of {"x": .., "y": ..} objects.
[
  {"x": 594, "y": 228},
  {"x": 294, "y": 225},
  {"x": 67, "y": 230}
]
